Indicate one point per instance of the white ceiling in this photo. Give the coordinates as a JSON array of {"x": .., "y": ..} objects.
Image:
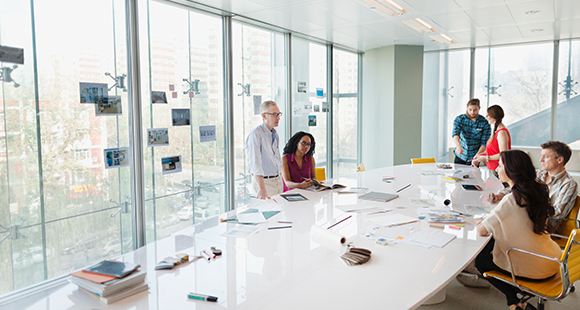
[{"x": 354, "y": 24}]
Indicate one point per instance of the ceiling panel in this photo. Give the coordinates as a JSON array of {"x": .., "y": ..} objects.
[
  {"x": 280, "y": 19},
  {"x": 567, "y": 9},
  {"x": 349, "y": 10},
  {"x": 568, "y": 28},
  {"x": 547, "y": 30},
  {"x": 427, "y": 6},
  {"x": 545, "y": 8},
  {"x": 472, "y": 37},
  {"x": 455, "y": 21},
  {"x": 361, "y": 33},
  {"x": 491, "y": 16},
  {"x": 503, "y": 33},
  {"x": 391, "y": 29},
  {"x": 277, "y": 3},
  {"x": 315, "y": 15},
  {"x": 466, "y": 4}
]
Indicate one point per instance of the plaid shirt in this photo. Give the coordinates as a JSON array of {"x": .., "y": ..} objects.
[
  {"x": 472, "y": 135},
  {"x": 563, "y": 191}
]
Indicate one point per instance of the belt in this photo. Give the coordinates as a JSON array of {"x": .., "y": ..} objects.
[{"x": 271, "y": 177}]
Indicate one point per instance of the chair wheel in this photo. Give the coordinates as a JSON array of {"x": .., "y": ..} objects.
[{"x": 572, "y": 289}]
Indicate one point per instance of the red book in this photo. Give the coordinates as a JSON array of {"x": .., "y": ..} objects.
[{"x": 94, "y": 277}]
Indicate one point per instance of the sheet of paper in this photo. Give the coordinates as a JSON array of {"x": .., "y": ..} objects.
[
  {"x": 355, "y": 207},
  {"x": 392, "y": 219},
  {"x": 265, "y": 205},
  {"x": 251, "y": 218},
  {"x": 431, "y": 237},
  {"x": 242, "y": 231},
  {"x": 418, "y": 202}
]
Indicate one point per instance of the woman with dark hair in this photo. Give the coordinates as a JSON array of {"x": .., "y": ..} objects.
[
  {"x": 298, "y": 166},
  {"x": 499, "y": 140},
  {"x": 520, "y": 221}
]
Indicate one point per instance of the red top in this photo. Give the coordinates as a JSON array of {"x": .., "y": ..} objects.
[{"x": 492, "y": 148}]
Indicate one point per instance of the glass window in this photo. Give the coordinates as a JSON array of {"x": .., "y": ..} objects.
[
  {"x": 60, "y": 205},
  {"x": 519, "y": 79},
  {"x": 445, "y": 95},
  {"x": 567, "y": 109},
  {"x": 309, "y": 94},
  {"x": 183, "y": 93},
  {"x": 345, "y": 112},
  {"x": 259, "y": 74}
]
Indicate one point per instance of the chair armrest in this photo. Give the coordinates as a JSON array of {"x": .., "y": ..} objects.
[{"x": 557, "y": 260}]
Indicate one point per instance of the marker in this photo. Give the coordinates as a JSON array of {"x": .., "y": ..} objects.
[
  {"x": 285, "y": 222},
  {"x": 402, "y": 188},
  {"x": 279, "y": 227},
  {"x": 209, "y": 256},
  {"x": 274, "y": 200},
  {"x": 202, "y": 297}
]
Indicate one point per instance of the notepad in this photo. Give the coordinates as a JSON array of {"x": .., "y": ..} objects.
[
  {"x": 377, "y": 196},
  {"x": 113, "y": 268}
]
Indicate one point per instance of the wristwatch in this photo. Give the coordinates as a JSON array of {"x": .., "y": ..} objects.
[{"x": 486, "y": 158}]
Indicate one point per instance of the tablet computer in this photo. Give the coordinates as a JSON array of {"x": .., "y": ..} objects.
[{"x": 471, "y": 187}]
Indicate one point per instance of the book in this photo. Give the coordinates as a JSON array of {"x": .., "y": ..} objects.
[
  {"x": 293, "y": 197},
  {"x": 110, "y": 287},
  {"x": 112, "y": 268},
  {"x": 377, "y": 196},
  {"x": 119, "y": 295},
  {"x": 318, "y": 187},
  {"x": 452, "y": 179},
  {"x": 93, "y": 277}
]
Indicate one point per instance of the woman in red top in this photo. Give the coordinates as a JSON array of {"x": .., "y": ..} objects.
[{"x": 499, "y": 141}]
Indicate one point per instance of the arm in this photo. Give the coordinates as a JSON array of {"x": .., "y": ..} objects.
[
  {"x": 313, "y": 169},
  {"x": 262, "y": 193},
  {"x": 565, "y": 199},
  {"x": 481, "y": 229},
  {"x": 458, "y": 148},
  {"x": 455, "y": 135},
  {"x": 503, "y": 143},
  {"x": 255, "y": 164}
]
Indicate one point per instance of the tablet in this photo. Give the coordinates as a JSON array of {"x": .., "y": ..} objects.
[{"x": 470, "y": 187}]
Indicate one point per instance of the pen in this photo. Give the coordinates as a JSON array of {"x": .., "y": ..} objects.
[
  {"x": 274, "y": 200},
  {"x": 202, "y": 297},
  {"x": 285, "y": 222},
  {"x": 402, "y": 188},
  {"x": 344, "y": 219},
  {"x": 279, "y": 227},
  {"x": 384, "y": 211},
  {"x": 400, "y": 224}
]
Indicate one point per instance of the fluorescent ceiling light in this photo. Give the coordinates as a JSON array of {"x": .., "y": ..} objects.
[
  {"x": 388, "y": 6},
  {"x": 446, "y": 37},
  {"x": 419, "y": 25},
  {"x": 438, "y": 39}
]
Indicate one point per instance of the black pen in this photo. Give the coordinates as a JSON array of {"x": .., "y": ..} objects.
[
  {"x": 344, "y": 219},
  {"x": 402, "y": 188},
  {"x": 279, "y": 227}
]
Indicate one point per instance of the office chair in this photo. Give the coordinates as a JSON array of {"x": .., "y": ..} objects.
[
  {"x": 320, "y": 174},
  {"x": 422, "y": 160},
  {"x": 568, "y": 224},
  {"x": 360, "y": 168},
  {"x": 556, "y": 287}
]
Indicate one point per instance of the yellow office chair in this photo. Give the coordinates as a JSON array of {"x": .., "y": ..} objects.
[
  {"x": 320, "y": 174},
  {"x": 361, "y": 168},
  {"x": 556, "y": 287},
  {"x": 568, "y": 224},
  {"x": 422, "y": 160}
]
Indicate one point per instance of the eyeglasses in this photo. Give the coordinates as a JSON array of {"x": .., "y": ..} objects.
[
  {"x": 306, "y": 143},
  {"x": 275, "y": 114}
]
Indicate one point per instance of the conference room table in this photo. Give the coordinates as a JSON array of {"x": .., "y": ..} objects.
[{"x": 293, "y": 268}]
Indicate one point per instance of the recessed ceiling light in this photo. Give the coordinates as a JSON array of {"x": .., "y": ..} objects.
[
  {"x": 438, "y": 39},
  {"x": 446, "y": 37},
  {"x": 537, "y": 30},
  {"x": 532, "y": 12},
  {"x": 419, "y": 25},
  {"x": 387, "y": 6}
]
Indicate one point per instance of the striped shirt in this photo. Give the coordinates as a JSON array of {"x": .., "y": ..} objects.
[
  {"x": 263, "y": 153},
  {"x": 563, "y": 191},
  {"x": 472, "y": 134}
]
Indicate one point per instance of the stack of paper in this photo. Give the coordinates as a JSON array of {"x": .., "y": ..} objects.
[
  {"x": 429, "y": 237},
  {"x": 110, "y": 281}
]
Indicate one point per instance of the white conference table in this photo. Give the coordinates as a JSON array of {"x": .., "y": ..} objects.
[{"x": 292, "y": 269}]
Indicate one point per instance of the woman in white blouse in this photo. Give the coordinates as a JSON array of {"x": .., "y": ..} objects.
[{"x": 520, "y": 220}]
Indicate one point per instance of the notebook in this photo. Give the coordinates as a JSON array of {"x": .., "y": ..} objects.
[
  {"x": 377, "y": 196},
  {"x": 113, "y": 268}
]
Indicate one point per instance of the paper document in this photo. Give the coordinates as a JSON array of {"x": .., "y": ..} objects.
[
  {"x": 265, "y": 205},
  {"x": 430, "y": 237},
  {"x": 251, "y": 218},
  {"x": 242, "y": 231},
  {"x": 391, "y": 220},
  {"x": 355, "y": 207}
]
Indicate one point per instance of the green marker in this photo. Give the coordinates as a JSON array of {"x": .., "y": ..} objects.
[{"x": 202, "y": 297}]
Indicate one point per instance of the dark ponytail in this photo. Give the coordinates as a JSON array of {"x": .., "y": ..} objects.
[{"x": 495, "y": 112}]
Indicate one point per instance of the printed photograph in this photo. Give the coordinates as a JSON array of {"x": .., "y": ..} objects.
[
  {"x": 94, "y": 93},
  {"x": 180, "y": 117},
  {"x": 311, "y": 120},
  {"x": 171, "y": 164},
  {"x": 325, "y": 107},
  {"x": 301, "y": 87},
  {"x": 158, "y": 97},
  {"x": 116, "y": 158},
  {"x": 113, "y": 107},
  {"x": 157, "y": 137},
  {"x": 308, "y": 106},
  {"x": 316, "y": 108}
]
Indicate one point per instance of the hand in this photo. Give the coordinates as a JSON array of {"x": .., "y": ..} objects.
[
  {"x": 476, "y": 221},
  {"x": 459, "y": 150},
  {"x": 262, "y": 194},
  {"x": 474, "y": 163},
  {"x": 493, "y": 198},
  {"x": 306, "y": 183}
]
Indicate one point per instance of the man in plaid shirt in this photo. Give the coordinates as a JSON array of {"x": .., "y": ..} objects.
[{"x": 470, "y": 133}]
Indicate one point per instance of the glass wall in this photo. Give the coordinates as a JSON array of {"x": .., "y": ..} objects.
[
  {"x": 568, "y": 102},
  {"x": 259, "y": 74},
  {"x": 345, "y": 112},
  {"x": 309, "y": 104},
  {"x": 66, "y": 150},
  {"x": 182, "y": 87},
  {"x": 61, "y": 198}
]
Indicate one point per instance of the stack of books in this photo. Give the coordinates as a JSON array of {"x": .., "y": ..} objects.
[{"x": 110, "y": 281}]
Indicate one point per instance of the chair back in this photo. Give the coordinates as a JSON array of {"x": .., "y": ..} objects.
[
  {"x": 320, "y": 174},
  {"x": 422, "y": 160},
  {"x": 571, "y": 258},
  {"x": 566, "y": 227},
  {"x": 360, "y": 167}
]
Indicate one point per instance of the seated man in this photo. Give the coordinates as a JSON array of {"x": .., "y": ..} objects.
[{"x": 562, "y": 191}]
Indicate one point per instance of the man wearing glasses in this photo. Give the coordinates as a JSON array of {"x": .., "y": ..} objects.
[{"x": 264, "y": 160}]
